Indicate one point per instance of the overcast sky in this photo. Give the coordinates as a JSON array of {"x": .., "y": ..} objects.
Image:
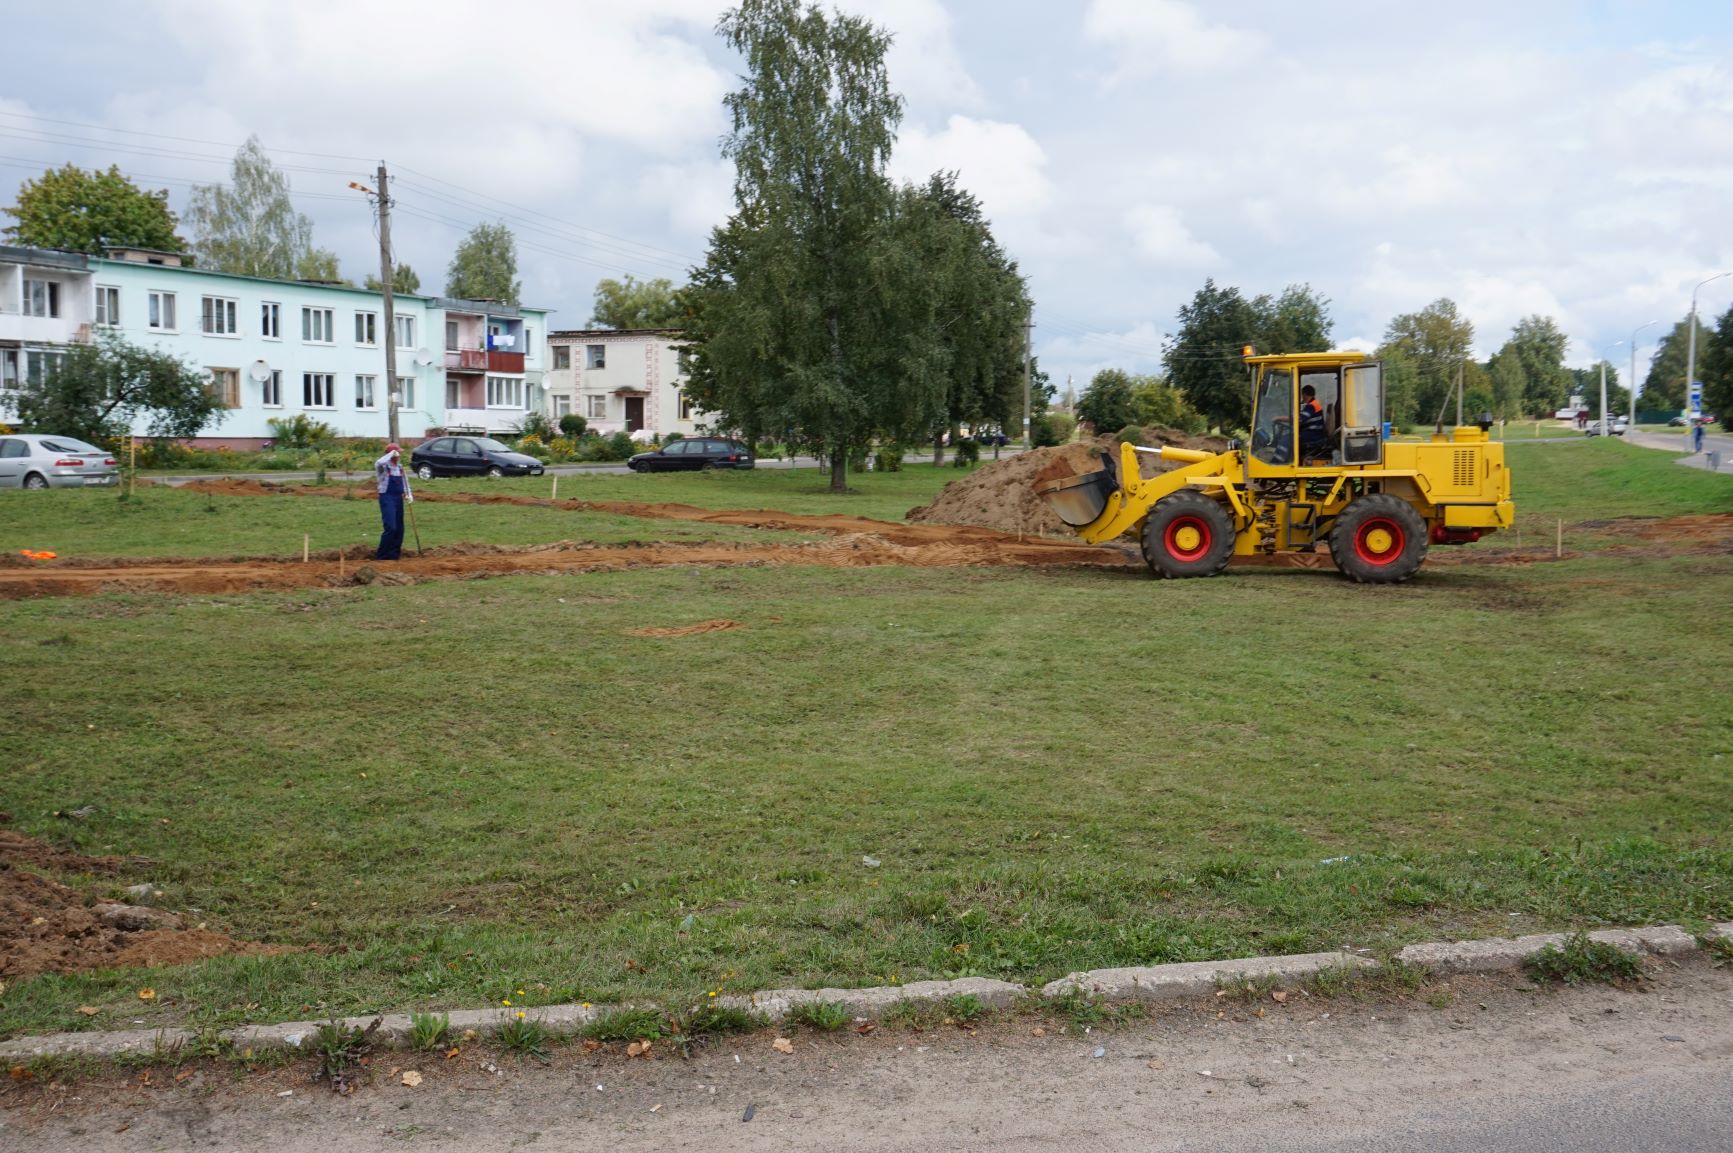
[{"x": 1571, "y": 159}]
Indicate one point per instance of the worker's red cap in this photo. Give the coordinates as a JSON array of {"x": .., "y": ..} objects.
[{"x": 393, "y": 447}]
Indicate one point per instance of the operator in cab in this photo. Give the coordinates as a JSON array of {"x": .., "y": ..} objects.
[{"x": 1314, "y": 436}]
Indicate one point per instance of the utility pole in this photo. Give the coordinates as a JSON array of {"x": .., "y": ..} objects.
[
  {"x": 1028, "y": 339},
  {"x": 1691, "y": 355},
  {"x": 385, "y": 270},
  {"x": 382, "y": 200}
]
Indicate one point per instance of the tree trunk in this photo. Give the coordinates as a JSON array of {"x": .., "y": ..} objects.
[
  {"x": 839, "y": 469},
  {"x": 939, "y": 447}
]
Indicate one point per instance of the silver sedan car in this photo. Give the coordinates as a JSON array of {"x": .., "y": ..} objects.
[{"x": 29, "y": 460}]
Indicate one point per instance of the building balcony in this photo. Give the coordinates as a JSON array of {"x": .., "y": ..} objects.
[
  {"x": 509, "y": 362},
  {"x": 466, "y": 360}
]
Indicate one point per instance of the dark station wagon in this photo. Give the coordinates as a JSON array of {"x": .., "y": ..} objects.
[{"x": 692, "y": 454}]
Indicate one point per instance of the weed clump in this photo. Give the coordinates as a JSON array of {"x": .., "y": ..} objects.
[
  {"x": 1583, "y": 960},
  {"x": 342, "y": 1053},
  {"x": 825, "y": 1016}
]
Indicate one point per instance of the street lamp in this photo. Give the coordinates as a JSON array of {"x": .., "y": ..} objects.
[
  {"x": 1632, "y": 383},
  {"x": 1691, "y": 354},
  {"x": 1606, "y": 425}
]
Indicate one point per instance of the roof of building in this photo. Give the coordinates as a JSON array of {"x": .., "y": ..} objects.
[
  {"x": 44, "y": 257},
  {"x": 637, "y": 332}
]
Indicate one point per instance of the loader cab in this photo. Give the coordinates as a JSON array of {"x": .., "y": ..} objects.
[{"x": 1348, "y": 389}]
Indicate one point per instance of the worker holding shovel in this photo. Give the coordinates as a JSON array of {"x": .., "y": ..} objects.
[{"x": 393, "y": 495}]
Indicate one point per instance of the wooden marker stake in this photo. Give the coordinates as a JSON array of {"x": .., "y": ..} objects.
[
  {"x": 1560, "y": 550},
  {"x": 306, "y": 545},
  {"x": 556, "y": 493}
]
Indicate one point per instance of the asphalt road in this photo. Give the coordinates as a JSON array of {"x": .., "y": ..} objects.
[{"x": 1715, "y": 442}]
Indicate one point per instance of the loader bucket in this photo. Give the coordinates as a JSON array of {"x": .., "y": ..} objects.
[{"x": 1080, "y": 500}]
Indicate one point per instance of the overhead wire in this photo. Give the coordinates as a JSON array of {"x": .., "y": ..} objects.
[{"x": 165, "y": 136}]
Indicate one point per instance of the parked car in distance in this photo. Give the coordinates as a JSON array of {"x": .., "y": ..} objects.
[
  {"x": 1679, "y": 422},
  {"x": 29, "y": 460},
  {"x": 992, "y": 439},
  {"x": 693, "y": 453},
  {"x": 1616, "y": 427},
  {"x": 470, "y": 456}
]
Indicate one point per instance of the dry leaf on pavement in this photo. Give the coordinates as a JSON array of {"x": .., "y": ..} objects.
[
  {"x": 782, "y": 1045},
  {"x": 1280, "y": 997},
  {"x": 637, "y": 1047},
  {"x": 411, "y": 1078}
]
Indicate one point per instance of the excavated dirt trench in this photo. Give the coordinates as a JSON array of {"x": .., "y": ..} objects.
[{"x": 853, "y": 542}]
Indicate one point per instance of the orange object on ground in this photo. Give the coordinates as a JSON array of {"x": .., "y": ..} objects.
[{"x": 37, "y": 555}]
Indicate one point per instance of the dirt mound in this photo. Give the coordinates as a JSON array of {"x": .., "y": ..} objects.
[
  {"x": 1001, "y": 495},
  {"x": 686, "y": 630},
  {"x": 46, "y": 927}
]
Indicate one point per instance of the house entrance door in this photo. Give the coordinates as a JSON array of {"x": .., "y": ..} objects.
[{"x": 634, "y": 413}]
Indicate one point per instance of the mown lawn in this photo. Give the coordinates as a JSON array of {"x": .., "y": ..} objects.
[
  {"x": 1597, "y": 478},
  {"x": 448, "y": 792},
  {"x": 879, "y": 495},
  {"x": 163, "y": 521}
]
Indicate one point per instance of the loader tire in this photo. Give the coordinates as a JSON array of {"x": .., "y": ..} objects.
[
  {"x": 1378, "y": 539},
  {"x": 1188, "y": 535}
]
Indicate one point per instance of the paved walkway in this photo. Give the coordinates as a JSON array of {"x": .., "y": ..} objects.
[{"x": 1712, "y": 443}]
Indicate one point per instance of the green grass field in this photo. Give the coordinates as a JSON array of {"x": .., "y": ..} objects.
[
  {"x": 447, "y": 792},
  {"x": 163, "y": 521}
]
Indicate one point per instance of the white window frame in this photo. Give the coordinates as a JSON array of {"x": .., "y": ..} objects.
[
  {"x": 220, "y": 316},
  {"x": 313, "y": 320},
  {"x": 47, "y": 303},
  {"x": 271, "y": 320},
  {"x": 688, "y": 410},
  {"x": 9, "y": 369},
  {"x": 366, "y": 329},
  {"x": 315, "y": 385},
  {"x": 562, "y": 357},
  {"x": 271, "y": 391},
  {"x": 453, "y": 393},
  {"x": 108, "y": 305},
  {"x": 226, "y": 386},
  {"x": 505, "y": 392},
  {"x": 405, "y": 330},
  {"x": 164, "y": 310},
  {"x": 596, "y": 405},
  {"x": 562, "y": 406},
  {"x": 366, "y": 392},
  {"x": 595, "y": 357},
  {"x": 529, "y": 344},
  {"x": 453, "y": 336},
  {"x": 406, "y": 392}
]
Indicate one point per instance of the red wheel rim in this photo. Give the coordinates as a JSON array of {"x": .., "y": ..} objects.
[
  {"x": 1380, "y": 541},
  {"x": 1170, "y": 539}
]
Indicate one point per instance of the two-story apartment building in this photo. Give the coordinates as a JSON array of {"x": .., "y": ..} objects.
[
  {"x": 621, "y": 380},
  {"x": 45, "y": 303},
  {"x": 275, "y": 348}
]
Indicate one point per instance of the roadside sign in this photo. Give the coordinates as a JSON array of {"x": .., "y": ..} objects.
[{"x": 1694, "y": 401}]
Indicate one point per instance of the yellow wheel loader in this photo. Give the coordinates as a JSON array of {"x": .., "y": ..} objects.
[{"x": 1318, "y": 471}]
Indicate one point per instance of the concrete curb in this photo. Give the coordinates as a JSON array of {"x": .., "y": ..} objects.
[{"x": 1152, "y": 983}]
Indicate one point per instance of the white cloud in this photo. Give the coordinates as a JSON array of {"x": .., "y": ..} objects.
[
  {"x": 1151, "y": 35},
  {"x": 923, "y": 63},
  {"x": 1162, "y": 237},
  {"x": 1000, "y": 163}
]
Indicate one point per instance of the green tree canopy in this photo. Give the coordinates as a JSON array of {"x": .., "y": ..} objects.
[
  {"x": 1587, "y": 382},
  {"x": 634, "y": 303},
  {"x": 1664, "y": 386},
  {"x": 250, "y": 225},
  {"x": 319, "y": 264},
  {"x": 1434, "y": 343},
  {"x": 403, "y": 279},
  {"x": 99, "y": 390},
  {"x": 1538, "y": 346},
  {"x": 1508, "y": 384},
  {"x": 484, "y": 267},
  {"x": 1715, "y": 368},
  {"x": 979, "y": 298},
  {"x": 1108, "y": 403},
  {"x": 1204, "y": 361},
  {"x": 815, "y": 316},
  {"x": 89, "y": 211}
]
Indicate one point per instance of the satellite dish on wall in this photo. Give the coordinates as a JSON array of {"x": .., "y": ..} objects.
[
  {"x": 259, "y": 372},
  {"x": 423, "y": 358}
]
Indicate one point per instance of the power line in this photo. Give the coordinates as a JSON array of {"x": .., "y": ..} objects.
[
  {"x": 165, "y": 136},
  {"x": 639, "y": 258}
]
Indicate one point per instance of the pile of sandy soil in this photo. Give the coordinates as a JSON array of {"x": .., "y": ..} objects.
[
  {"x": 1001, "y": 495},
  {"x": 46, "y": 927}
]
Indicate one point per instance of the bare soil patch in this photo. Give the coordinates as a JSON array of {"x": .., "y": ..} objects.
[
  {"x": 686, "y": 630},
  {"x": 46, "y": 927}
]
